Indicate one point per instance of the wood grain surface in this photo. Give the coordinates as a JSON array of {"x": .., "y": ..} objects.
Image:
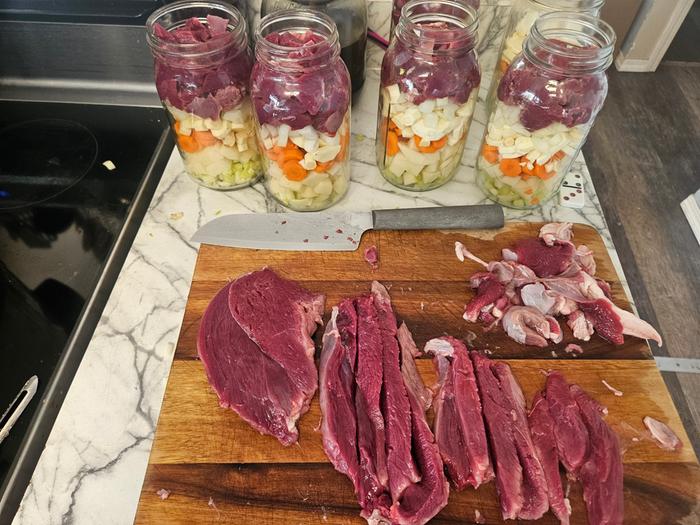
[{"x": 202, "y": 451}]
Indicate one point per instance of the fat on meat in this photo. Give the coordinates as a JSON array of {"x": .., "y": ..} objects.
[
  {"x": 529, "y": 326},
  {"x": 570, "y": 431},
  {"x": 256, "y": 298},
  {"x": 581, "y": 327},
  {"x": 245, "y": 378},
  {"x": 411, "y": 377},
  {"x": 542, "y": 431},
  {"x": 601, "y": 474},
  {"x": 556, "y": 232},
  {"x": 337, "y": 391},
  {"x": 459, "y": 425},
  {"x": 395, "y": 406}
]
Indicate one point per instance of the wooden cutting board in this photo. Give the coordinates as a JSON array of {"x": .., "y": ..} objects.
[{"x": 219, "y": 470}]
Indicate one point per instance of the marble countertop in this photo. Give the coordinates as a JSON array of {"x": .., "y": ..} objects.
[{"x": 95, "y": 459}]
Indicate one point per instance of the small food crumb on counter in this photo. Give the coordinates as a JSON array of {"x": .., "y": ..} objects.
[
  {"x": 163, "y": 493},
  {"x": 665, "y": 437},
  {"x": 177, "y": 215},
  {"x": 109, "y": 165}
]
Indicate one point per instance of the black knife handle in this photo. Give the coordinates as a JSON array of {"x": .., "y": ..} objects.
[{"x": 476, "y": 217}]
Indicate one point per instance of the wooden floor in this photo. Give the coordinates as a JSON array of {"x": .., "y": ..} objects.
[{"x": 644, "y": 158}]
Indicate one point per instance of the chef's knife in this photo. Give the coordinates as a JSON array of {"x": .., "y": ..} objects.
[
  {"x": 19, "y": 403},
  {"x": 338, "y": 231}
]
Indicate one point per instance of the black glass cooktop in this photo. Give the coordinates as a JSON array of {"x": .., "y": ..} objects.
[{"x": 63, "y": 217}]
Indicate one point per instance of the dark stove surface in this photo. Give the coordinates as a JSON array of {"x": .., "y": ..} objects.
[{"x": 61, "y": 212}]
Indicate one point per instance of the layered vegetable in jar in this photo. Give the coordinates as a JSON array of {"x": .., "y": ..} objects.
[
  {"x": 202, "y": 69},
  {"x": 545, "y": 106},
  {"x": 301, "y": 96},
  {"x": 429, "y": 86}
]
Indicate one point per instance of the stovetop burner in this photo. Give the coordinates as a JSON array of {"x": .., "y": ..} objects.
[{"x": 42, "y": 158}]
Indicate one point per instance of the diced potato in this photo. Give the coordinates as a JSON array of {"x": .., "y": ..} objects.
[
  {"x": 283, "y": 135},
  {"x": 326, "y": 153}
]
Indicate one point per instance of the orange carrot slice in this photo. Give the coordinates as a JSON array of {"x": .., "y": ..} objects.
[
  {"x": 503, "y": 66},
  {"x": 434, "y": 146},
  {"x": 557, "y": 156},
  {"x": 204, "y": 138},
  {"x": 392, "y": 143},
  {"x": 294, "y": 171},
  {"x": 176, "y": 127},
  {"x": 322, "y": 167},
  {"x": 188, "y": 144},
  {"x": 292, "y": 154},
  {"x": 542, "y": 172},
  {"x": 510, "y": 167},
  {"x": 490, "y": 153}
]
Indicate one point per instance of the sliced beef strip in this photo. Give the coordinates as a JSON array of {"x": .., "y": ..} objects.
[
  {"x": 542, "y": 432},
  {"x": 570, "y": 432},
  {"x": 601, "y": 474},
  {"x": 371, "y": 431},
  {"x": 246, "y": 379},
  {"x": 395, "y": 405},
  {"x": 337, "y": 391},
  {"x": 535, "y": 499},
  {"x": 280, "y": 316},
  {"x": 420, "y": 501},
  {"x": 459, "y": 425},
  {"x": 500, "y": 426},
  {"x": 411, "y": 377}
]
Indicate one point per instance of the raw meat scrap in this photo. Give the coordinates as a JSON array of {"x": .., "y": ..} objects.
[
  {"x": 245, "y": 378},
  {"x": 581, "y": 327},
  {"x": 601, "y": 474},
  {"x": 544, "y": 260},
  {"x": 280, "y": 317},
  {"x": 395, "y": 405},
  {"x": 371, "y": 433},
  {"x": 499, "y": 423},
  {"x": 337, "y": 391},
  {"x": 527, "y": 325},
  {"x": 459, "y": 425},
  {"x": 372, "y": 257},
  {"x": 570, "y": 432},
  {"x": 535, "y": 499},
  {"x": 556, "y": 232},
  {"x": 665, "y": 437},
  {"x": 542, "y": 431},
  {"x": 421, "y": 501}
]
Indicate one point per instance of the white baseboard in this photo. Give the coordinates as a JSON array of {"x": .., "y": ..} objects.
[{"x": 634, "y": 65}]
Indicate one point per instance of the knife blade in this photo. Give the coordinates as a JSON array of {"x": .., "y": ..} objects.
[
  {"x": 338, "y": 231},
  {"x": 17, "y": 406}
]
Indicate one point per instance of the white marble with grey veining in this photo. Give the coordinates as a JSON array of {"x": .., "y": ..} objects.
[{"x": 95, "y": 459}]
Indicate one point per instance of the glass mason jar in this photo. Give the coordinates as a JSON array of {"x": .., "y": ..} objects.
[
  {"x": 301, "y": 96},
  {"x": 544, "y": 108},
  {"x": 522, "y": 17},
  {"x": 429, "y": 86},
  {"x": 397, "y": 5},
  {"x": 350, "y": 17},
  {"x": 202, "y": 69}
]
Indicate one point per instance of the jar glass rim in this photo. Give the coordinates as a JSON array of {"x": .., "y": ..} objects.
[
  {"x": 189, "y": 50},
  {"x": 550, "y": 31},
  {"x": 303, "y": 16},
  {"x": 570, "y": 5},
  {"x": 410, "y": 20}
]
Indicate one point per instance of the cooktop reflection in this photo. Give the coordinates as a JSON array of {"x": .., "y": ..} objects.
[{"x": 66, "y": 223}]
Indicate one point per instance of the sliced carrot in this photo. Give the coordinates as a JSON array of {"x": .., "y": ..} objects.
[
  {"x": 434, "y": 146},
  {"x": 322, "y": 167},
  {"x": 392, "y": 143},
  {"x": 511, "y": 167},
  {"x": 490, "y": 153},
  {"x": 188, "y": 144},
  {"x": 535, "y": 201},
  {"x": 274, "y": 153},
  {"x": 392, "y": 125},
  {"x": 291, "y": 154},
  {"x": 526, "y": 169},
  {"x": 529, "y": 191},
  {"x": 503, "y": 66},
  {"x": 542, "y": 172},
  {"x": 176, "y": 127},
  {"x": 557, "y": 156},
  {"x": 204, "y": 138},
  {"x": 294, "y": 171}
]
